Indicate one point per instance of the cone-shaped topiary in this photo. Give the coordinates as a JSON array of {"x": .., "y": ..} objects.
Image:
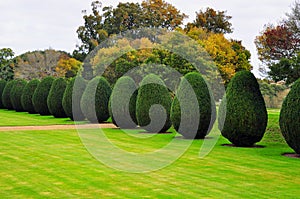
[
  {"x": 2, "y": 86},
  {"x": 153, "y": 105},
  {"x": 243, "y": 112},
  {"x": 6, "y": 95},
  {"x": 72, "y": 97},
  {"x": 16, "y": 94},
  {"x": 40, "y": 96},
  {"x": 94, "y": 101},
  {"x": 290, "y": 116},
  {"x": 26, "y": 98},
  {"x": 122, "y": 104},
  {"x": 193, "y": 108},
  {"x": 54, "y": 100}
]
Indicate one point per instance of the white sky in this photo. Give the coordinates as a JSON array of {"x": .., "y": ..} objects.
[{"x": 27, "y": 25}]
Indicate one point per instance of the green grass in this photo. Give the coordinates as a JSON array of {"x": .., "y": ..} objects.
[{"x": 55, "y": 164}]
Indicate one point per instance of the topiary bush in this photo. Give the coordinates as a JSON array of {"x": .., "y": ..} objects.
[
  {"x": 72, "y": 97},
  {"x": 27, "y": 95},
  {"x": 193, "y": 100},
  {"x": 243, "y": 112},
  {"x": 54, "y": 100},
  {"x": 122, "y": 104},
  {"x": 40, "y": 96},
  {"x": 289, "y": 117},
  {"x": 16, "y": 93},
  {"x": 153, "y": 105},
  {"x": 2, "y": 86},
  {"x": 94, "y": 101},
  {"x": 6, "y": 95}
]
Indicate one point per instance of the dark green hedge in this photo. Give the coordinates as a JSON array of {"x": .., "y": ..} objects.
[
  {"x": 40, "y": 96},
  {"x": 243, "y": 112},
  {"x": 16, "y": 94},
  {"x": 153, "y": 91},
  {"x": 2, "y": 86},
  {"x": 72, "y": 97},
  {"x": 54, "y": 100},
  {"x": 290, "y": 117},
  {"x": 94, "y": 101},
  {"x": 27, "y": 96},
  {"x": 193, "y": 108},
  {"x": 6, "y": 95},
  {"x": 122, "y": 104}
]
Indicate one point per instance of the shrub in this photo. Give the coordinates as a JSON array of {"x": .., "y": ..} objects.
[
  {"x": 243, "y": 112},
  {"x": 16, "y": 93},
  {"x": 150, "y": 116},
  {"x": 289, "y": 118},
  {"x": 122, "y": 104},
  {"x": 193, "y": 100},
  {"x": 72, "y": 97},
  {"x": 40, "y": 96},
  {"x": 27, "y": 95},
  {"x": 54, "y": 100},
  {"x": 94, "y": 101},
  {"x": 2, "y": 86},
  {"x": 6, "y": 95}
]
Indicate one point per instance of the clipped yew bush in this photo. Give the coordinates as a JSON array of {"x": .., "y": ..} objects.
[
  {"x": 16, "y": 94},
  {"x": 95, "y": 99},
  {"x": 6, "y": 95},
  {"x": 290, "y": 116},
  {"x": 54, "y": 100},
  {"x": 27, "y": 95},
  {"x": 72, "y": 97},
  {"x": 122, "y": 104},
  {"x": 40, "y": 96},
  {"x": 243, "y": 113},
  {"x": 193, "y": 108},
  {"x": 153, "y": 105},
  {"x": 2, "y": 86}
]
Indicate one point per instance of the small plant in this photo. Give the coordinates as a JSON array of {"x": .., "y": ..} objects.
[
  {"x": 27, "y": 95},
  {"x": 6, "y": 95},
  {"x": 16, "y": 94},
  {"x": 2, "y": 86}
]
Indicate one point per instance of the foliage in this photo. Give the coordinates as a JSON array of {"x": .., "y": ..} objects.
[
  {"x": 2, "y": 86},
  {"x": 16, "y": 94},
  {"x": 54, "y": 99},
  {"x": 40, "y": 96},
  {"x": 185, "y": 109},
  {"x": 243, "y": 111},
  {"x": 68, "y": 67},
  {"x": 6, "y": 95},
  {"x": 95, "y": 99},
  {"x": 27, "y": 95},
  {"x": 6, "y": 64},
  {"x": 72, "y": 97},
  {"x": 122, "y": 105},
  {"x": 289, "y": 117},
  {"x": 151, "y": 94},
  {"x": 212, "y": 21}
]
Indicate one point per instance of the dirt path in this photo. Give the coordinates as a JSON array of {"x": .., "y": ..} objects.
[{"x": 57, "y": 127}]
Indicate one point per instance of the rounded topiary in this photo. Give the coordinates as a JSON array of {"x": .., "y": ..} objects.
[
  {"x": 243, "y": 113},
  {"x": 2, "y": 86},
  {"x": 97, "y": 92},
  {"x": 122, "y": 104},
  {"x": 54, "y": 100},
  {"x": 16, "y": 93},
  {"x": 153, "y": 105},
  {"x": 26, "y": 98},
  {"x": 72, "y": 97},
  {"x": 289, "y": 117},
  {"x": 6, "y": 95},
  {"x": 40, "y": 96},
  {"x": 193, "y": 108}
]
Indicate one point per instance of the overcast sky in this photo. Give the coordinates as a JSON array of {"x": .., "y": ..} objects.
[{"x": 27, "y": 25}]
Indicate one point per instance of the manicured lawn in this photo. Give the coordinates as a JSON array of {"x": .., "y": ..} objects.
[{"x": 55, "y": 164}]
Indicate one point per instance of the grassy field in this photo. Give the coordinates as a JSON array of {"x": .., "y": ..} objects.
[{"x": 55, "y": 164}]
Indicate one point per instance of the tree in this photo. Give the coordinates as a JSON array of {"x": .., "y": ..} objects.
[
  {"x": 2, "y": 86},
  {"x": 68, "y": 67},
  {"x": 212, "y": 21},
  {"x": 16, "y": 94},
  {"x": 27, "y": 95},
  {"x": 6, "y": 64},
  {"x": 6, "y": 95}
]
